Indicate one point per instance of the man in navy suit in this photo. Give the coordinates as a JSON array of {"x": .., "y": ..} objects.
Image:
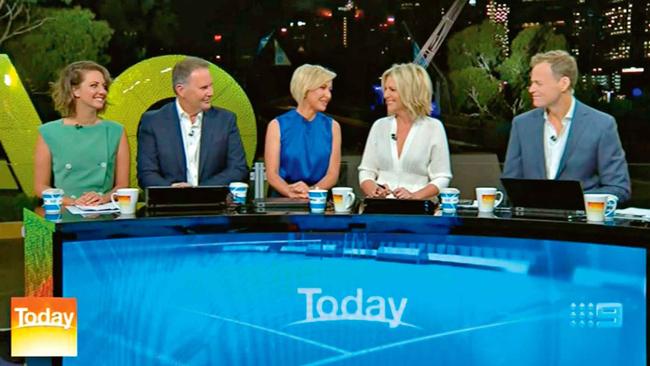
[
  {"x": 188, "y": 142},
  {"x": 563, "y": 138}
]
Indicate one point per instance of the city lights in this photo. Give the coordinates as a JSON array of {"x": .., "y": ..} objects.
[{"x": 325, "y": 13}]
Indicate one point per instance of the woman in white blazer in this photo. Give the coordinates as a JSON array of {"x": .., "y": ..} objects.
[{"x": 406, "y": 154}]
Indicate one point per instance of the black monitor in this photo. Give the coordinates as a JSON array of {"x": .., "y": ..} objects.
[
  {"x": 545, "y": 194},
  {"x": 397, "y": 206}
]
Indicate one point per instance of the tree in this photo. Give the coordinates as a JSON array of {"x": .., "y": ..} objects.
[
  {"x": 142, "y": 28},
  {"x": 16, "y": 18},
  {"x": 474, "y": 89},
  {"x": 515, "y": 69},
  {"x": 483, "y": 79},
  {"x": 69, "y": 35},
  {"x": 476, "y": 46}
]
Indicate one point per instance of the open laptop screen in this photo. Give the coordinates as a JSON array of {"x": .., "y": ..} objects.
[{"x": 544, "y": 194}]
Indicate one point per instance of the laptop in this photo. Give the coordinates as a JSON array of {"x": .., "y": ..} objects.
[
  {"x": 540, "y": 195},
  {"x": 395, "y": 206},
  {"x": 282, "y": 203},
  {"x": 187, "y": 199}
]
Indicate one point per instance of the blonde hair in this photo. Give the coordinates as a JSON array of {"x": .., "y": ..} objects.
[
  {"x": 71, "y": 77},
  {"x": 562, "y": 64},
  {"x": 308, "y": 77},
  {"x": 414, "y": 87}
]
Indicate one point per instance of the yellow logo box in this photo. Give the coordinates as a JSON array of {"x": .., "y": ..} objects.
[{"x": 43, "y": 327}]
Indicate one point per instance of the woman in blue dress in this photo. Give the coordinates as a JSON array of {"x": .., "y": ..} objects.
[{"x": 303, "y": 146}]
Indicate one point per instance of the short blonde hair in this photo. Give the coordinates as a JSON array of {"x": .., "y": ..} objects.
[
  {"x": 414, "y": 87},
  {"x": 70, "y": 77},
  {"x": 562, "y": 64},
  {"x": 308, "y": 77}
]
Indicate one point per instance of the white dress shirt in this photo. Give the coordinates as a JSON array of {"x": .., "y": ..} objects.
[
  {"x": 555, "y": 143},
  {"x": 191, "y": 133},
  {"x": 424, "y": 159}
]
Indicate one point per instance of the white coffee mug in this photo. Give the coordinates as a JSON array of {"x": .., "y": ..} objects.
[
  {"x": 343, "y": 198},
  {"x": 599, "y": 205},
  {"x": 125, "y": 199},
  {"x": 488, "y": 198}
]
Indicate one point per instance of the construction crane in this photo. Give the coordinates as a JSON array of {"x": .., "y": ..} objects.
[{"x": 431, "y": 47}]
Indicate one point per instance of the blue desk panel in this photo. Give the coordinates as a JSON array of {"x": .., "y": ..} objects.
[{"x": 355, "y": 298}]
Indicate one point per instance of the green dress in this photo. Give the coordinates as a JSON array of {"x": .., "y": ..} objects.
[{"x": 83, "y": 158}]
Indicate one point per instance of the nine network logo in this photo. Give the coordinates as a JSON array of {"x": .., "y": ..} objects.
[
  {"x": 43, "y": 326},
  {"x": 596, "y": 315},
  {"x": 326, "y": 308}
]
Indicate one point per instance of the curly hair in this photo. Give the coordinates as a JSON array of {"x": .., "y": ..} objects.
[{"x": 71, "y": 77}]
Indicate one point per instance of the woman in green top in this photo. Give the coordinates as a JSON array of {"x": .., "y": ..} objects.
[{"x": 88, "y": 156}]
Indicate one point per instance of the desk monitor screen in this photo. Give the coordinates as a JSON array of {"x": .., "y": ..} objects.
[
  {"x": 545, "y": 193},
  {"x": 173, "y": 197},
  {"x": 356, "y": 299}
]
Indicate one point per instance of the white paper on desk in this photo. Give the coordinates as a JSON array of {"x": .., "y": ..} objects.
[
  {"x": 633, "y": 211},
  {"x": 84, "y": 210}
]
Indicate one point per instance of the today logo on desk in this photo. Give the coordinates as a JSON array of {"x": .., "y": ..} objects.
[
  {"x": 327, "y": 308},
  {"x": 43, "y": 327}
]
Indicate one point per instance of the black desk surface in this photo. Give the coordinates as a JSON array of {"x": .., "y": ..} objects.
[{"x": 246, "y": 219}]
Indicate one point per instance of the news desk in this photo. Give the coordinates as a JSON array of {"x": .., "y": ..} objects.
[{"x": 296, "y": 288}]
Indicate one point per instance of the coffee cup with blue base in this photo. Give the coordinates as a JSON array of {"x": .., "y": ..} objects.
[
  {"x": 449, "y": 198},
  {"x": 317, "y": 200},
  {"x": 238, "y": 191},
  {"x": 52, "y": 201},
  {"x": 610, "y": 207}
]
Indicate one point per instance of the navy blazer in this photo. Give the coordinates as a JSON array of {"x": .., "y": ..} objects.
[
  {"x": 593, "y": 153},
  {"x": 161, "y": 155}
]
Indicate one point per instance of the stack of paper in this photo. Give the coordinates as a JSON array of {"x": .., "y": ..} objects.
[
  {"x": 109, "y": 207},
  {"x": 633, "y": 212}
]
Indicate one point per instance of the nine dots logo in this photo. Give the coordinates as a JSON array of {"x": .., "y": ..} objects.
[
  {"x": 596, "y": 315},
  {"x": 43, "y": 326}
]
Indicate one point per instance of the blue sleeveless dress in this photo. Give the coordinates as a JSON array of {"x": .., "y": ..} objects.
[{"x": 305, "y": 147}]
